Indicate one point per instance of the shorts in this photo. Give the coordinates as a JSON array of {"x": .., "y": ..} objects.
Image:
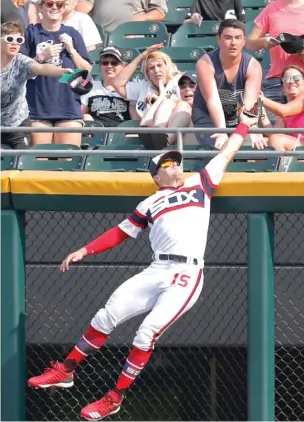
[
  {"x": 55, "y": 122},
  {"x": 18, "y": 140}
]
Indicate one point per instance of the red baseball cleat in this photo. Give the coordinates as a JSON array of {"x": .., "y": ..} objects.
[
  {"x": 55, "y": 376},
  {"x": 108, "y": 405}
]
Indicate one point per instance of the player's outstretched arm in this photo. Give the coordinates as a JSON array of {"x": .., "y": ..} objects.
[
  {"x": 234, "y": 142},
  {"x": 107, "y": 240}
]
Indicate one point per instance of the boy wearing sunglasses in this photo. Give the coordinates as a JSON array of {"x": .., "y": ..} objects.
[
  {"x": 16, "y": 70},
  {"x": 178, "y": 218}
]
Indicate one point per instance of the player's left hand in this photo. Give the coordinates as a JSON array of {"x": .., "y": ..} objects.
[
  {"x": 249, "y": 121},
  {"x": 68, "y": 42}
]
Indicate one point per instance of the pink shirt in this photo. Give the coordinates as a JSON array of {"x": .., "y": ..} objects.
[
  {"x": 295, "y": 122},
  {"x": 277, "y": 17}
]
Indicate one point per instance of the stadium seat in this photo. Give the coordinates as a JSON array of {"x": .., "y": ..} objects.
[
  {"x": 192, "y": 164},
  {"x": 209, "y": 28},
  {"x": 139, "y": 35},
  {"x": 36, "y": 162},
  {"x": 120, "y": 139},
  {"x": 293, "y": 164},
  {"x": 101, "y": 33},
  {"x": 253, "y": 4},
  {"x": 178, "y": 11},
  {"x": 184, "y": 57},
  {"x": 7, "y": 162},
  {"x": 248, "y": 27},
  {"x": 251, "y": 14},
  {"x": 253, "y": 165},
  {"x": 92, "y": 140},
  {"x": 115, "y": 163},
  {"x": 190, "y": 35}
]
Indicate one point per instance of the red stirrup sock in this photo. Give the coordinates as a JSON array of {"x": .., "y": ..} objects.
[
  {"x": 91, "y": 341},
  {"x": 135, "y": 362}
]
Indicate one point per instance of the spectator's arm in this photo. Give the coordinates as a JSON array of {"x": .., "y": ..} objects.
[
  {"x": 124, "y": 76},
  {"x": 253, "y": 83},
  {"x": 256, "y": 40},
  {"x": 84, "y": 109},
  {"x": 152, "y": 15},
  {"x": 133, "y": 112},
  {"x": 292, "y": 108},
  {"x": 33, "y": 14},
  {"x": 85, "y": 6},
  {"x": 208, "y": 88},
  {"x": 78, "y": 52},
  {"x": 49, "y": 70}
]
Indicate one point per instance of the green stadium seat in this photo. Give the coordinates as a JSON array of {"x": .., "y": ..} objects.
[
  {"x": 101, "y": 33},
  {"x": 253, "y": 165},
  {"x": 178, "y": 11},
  {"x": 253, "y": 4},
  {"x": 139, "y": 35},
  {"x": 123, "y": 139},
  {"x": 209, "y": 28},
  {"x": 184, "y": 57},
  {"x": 190, "y": 35},
  {"x": 7, "y": 162},
  {"x": 92, "y": 140},
  {"x": 293, "y": 164},
  {"x": 115, "y": 163},
  {"x": 192, "y": 164},
  {"x": 36, "y": 162},
  {"x": 248, "y": 27},
  {"x": 251, "y": 14}
]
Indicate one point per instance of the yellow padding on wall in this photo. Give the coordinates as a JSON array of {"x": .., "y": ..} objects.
[
  {"x": 141, "y": 184},
  {"x": 5, "y": 180}
]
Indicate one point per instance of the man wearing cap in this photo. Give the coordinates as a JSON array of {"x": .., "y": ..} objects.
[
  {"x": 178, "y": 218},
  {"x": 103, "y": 103}
]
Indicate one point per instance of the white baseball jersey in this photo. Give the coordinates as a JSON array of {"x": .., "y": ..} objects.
[{"x": 178, "y": 217}]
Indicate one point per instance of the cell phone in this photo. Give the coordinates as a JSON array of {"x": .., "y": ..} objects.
[{"x": 274, "y": 41}]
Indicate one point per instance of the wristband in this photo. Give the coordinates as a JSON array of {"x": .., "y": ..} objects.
[{"x": 241, "y": 129}]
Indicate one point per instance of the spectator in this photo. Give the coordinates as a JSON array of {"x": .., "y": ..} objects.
[
  {"x": 83, "y": 24},
  {"x": 290, "y": 115},
  {"x": 217, "y": 10},
  {"x": 223, "y": 75},
  {"x": 9, "y": 12},
  {"x": 22, "y": 7},
  {"x": 109, "y": 17},
  {"x": 157, "y": 98},
  {"x": 51, "y": 103},
  {"x": 187, "y": 86},
  {"x": 277, "y": 17},
  {"x": 103, "y": 103},
  {"x": 16, "y": 69}
]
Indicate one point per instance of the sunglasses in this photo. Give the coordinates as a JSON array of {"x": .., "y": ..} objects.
[
  {"x": 168, "y": 163},
  {"x": 11, "y": 39},
  {"x": 109, "y": 62},
  {"x": 187, "y": 85},
  {"x": 50, "y": 4},
  {"x": 295, "y": 78}
]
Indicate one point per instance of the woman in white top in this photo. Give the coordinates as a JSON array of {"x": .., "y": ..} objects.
[{"x": 157, "y": 98}]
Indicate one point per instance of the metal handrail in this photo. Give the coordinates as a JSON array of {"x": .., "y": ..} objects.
[
  {"x": 140, "y": 153},
  {"x": 89, "y": 129}
]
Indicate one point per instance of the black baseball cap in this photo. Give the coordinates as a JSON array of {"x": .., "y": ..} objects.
[
  {"x": 112, "y": 51},
  {"x": 159, "y": 159},
  {"x": 188, "y": 74},
  {"x": 79, "y": 82},
  {"x": 292, "y": 44}
]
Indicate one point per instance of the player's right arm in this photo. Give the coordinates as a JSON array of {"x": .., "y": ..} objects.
[
  {"x": 130, "y": 227},
  {"x": 212, "y": 174}
]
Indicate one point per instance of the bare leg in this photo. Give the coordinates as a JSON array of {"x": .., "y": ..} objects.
[
  {"x": 180, "y": 117},
  {"x": 163, "y": 113},
  {"x": 41, "y": 138},
  {"x": 283, "y": 142},
  {"x": 68, "y": 138}
]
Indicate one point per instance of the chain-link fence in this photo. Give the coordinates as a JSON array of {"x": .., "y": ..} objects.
[{"x": 198, "y": 369}]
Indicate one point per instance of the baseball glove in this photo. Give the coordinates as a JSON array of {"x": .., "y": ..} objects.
[{"x": 255, "y": 112}]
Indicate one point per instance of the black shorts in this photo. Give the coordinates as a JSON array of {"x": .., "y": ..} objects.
[{"x": 19, "y": 140}]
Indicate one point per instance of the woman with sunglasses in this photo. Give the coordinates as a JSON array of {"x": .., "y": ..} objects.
[
  {"x": 16, "y": 70},
  {"x": 290, "y": 115},
  {"x": 51, "y": 103}
]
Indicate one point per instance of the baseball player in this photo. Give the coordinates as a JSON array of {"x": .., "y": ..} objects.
[{"x": 178, "y": 218}]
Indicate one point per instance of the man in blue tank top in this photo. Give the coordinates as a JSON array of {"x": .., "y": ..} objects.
[{"x": 223, "y": 75}]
